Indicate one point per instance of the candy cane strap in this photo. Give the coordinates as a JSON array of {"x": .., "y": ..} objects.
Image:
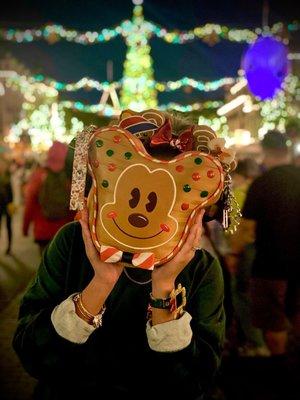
[{"x": 141, "y": 260}]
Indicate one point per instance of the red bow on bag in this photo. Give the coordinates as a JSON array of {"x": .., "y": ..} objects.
[{"x": 163, "y": 136}]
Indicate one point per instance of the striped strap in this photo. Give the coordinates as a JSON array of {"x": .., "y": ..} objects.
[
  {"x": 110, "y": 254},
  {"x": 143, "y": 260}
]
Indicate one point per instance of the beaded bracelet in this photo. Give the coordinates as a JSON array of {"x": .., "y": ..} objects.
[{"x": 95, "y": 320}]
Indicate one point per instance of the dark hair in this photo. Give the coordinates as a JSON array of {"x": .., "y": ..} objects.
[
  {"x": 274, "y": 140},
  {"x": 247, "y": 167}
]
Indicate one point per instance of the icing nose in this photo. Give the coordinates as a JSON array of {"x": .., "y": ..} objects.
[{"x": 138, "y": 220}]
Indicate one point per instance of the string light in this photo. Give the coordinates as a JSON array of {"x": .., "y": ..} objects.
[
  {"x": 209, "y": 33},
  {"x": 88, "y": 84},
  {"x": 107, "y": 110},
  {"x": 45, "y": 117}
]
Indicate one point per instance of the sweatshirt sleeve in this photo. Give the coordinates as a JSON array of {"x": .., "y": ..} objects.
[
  {"x": 41, "y": 350},
  {"x": 194, "y": 367}
]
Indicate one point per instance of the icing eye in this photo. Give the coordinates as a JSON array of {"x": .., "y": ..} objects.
[
  {"x": 135, "y": 193},
  {"x": 152, "y": 202}
]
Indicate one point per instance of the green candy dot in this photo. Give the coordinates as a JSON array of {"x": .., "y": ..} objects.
[
  {"x": 204, "y": 193},
  {"x": 105, "y": 183},
  {"x": 110, "y": 153},
  {"x": 128, "y": 155},
  {"x": 99, "y": 143},
  {"x": 198, "y": 160},
  {"x": 187, "y": 188}
]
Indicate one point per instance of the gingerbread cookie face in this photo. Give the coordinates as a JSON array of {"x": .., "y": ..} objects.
[
  {"x": 140, "y": 216},
  {"x": 141, "y": 205}
]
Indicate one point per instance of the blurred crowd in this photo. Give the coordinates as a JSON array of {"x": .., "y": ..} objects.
[{"x": 38, "y": 187}]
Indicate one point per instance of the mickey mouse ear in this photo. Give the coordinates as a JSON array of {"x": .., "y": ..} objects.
[{"x": 80, "y": 167}]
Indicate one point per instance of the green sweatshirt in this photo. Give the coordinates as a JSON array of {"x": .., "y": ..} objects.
[{"x": 116, "y": 360}]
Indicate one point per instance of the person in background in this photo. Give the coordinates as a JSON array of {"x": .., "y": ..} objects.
[
  {"x": 249, "y": 338},
  {"x": 271, "y": 216},
  {"x": 6, "y": 200},
  {"x": 47, "y": 194}
]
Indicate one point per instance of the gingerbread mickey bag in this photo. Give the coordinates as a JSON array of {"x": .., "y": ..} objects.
[{"x": 141, "y": 205}]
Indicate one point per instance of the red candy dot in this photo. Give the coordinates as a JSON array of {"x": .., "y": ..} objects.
[
  {"x": 112, "y": 214},
  {"x": 117, "y": 139},
  {"x": 179, "y": 168},
  {"x": 185, "y": 206},
  {"x": 210, "y": 173},
  {"x": 196, "y": 176},
  {"x": 111, "y": 167},
  {"x": 164, "y": 227}
]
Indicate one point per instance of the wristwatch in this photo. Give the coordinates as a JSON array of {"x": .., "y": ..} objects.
[
  {"x": 164, "y": 304},
  {"x": 175, "y": 303}
]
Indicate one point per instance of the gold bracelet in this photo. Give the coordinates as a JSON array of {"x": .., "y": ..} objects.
[
  {"x": 86, "y": 312},
  {"x": 82, "y": 316},
  {"x": 86, "y": 317},
  {"x": 95, "y": 320}
]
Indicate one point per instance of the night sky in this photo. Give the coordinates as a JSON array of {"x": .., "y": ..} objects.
[{"x": 68, "y": 62}]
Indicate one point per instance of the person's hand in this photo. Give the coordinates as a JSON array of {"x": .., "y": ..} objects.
[
  {"x": 106, "y": 273},
  {"x": 163, "y": 277}
]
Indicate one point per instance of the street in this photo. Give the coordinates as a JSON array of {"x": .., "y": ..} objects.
[{"x": 16, "y": 270}]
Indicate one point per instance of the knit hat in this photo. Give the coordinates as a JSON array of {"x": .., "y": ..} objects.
[{"x": 56, "y": 156}]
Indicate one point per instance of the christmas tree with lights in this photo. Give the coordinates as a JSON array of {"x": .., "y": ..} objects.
[{"x": 138, "y": 89}]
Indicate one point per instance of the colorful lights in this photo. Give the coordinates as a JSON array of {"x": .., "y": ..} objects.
[
  {"x": 138, "y": 87},
  {"x": 44, "y": 124},
  {"x": 209, "y": 33},
  {"x": 44, "y": 117},
  {"x": 88, "y": 84}
]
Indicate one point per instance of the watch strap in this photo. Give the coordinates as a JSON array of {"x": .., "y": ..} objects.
[{"x": 164, "y": 304}]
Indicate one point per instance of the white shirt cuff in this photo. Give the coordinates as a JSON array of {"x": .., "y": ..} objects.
[
  {"x": 68, "y": 324},
  {"x": 170, "y": 336}
]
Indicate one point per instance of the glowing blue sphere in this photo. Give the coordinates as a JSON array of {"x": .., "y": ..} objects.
[{"x": 266, "y": 65}]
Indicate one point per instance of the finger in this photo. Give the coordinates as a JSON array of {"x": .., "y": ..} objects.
[
  {"x": 83, "y": 231},
  {"x": 193, "y": 238},
  {"x": 197, "y": 237},
  {"x": 84, "y": 214},
  {"x": 85, "y": 220},
  {"x": 89, "y": 245},
  {"x": 198, "y": 228},
  {"x": 199, "y": 217},
  {"x": 85, "y": 228},
  {"x": 188, "y": 244}
]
